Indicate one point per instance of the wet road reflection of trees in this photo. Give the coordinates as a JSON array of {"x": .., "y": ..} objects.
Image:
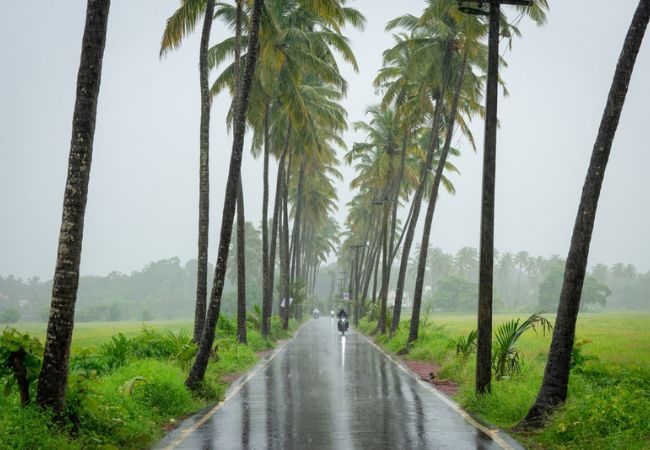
[{"x": 326, "y": 391}]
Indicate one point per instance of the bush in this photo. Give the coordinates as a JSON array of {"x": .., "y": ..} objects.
[{"x": 20, "y": 362}]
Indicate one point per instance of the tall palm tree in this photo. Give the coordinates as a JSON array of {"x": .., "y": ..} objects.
[
  {"x": 178, "y": 27},
  {"x": 54, "y": 373},
  {"x": 298, "y": 40},
  {"x": 433, "y": 196},
  {"x": 197, "y": 372},
  {"x": 431, "y": 44},
  {"x": 553, "y": 391}
]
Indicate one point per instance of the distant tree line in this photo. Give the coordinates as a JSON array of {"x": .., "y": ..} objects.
[
  {"x": 524, "y": 282},
  {"x": 163, "y": 289}
]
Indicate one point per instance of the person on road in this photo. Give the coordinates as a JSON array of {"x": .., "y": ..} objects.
[{"x": 341, "y": 314}]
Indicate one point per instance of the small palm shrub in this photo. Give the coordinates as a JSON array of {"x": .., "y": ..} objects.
[
  {"x": 465, "y": 346},
  {"x": 506, "y": 359}
]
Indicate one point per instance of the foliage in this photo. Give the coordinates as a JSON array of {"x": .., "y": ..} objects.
[
  {"x": 465, "y": 346},
  {"x": 116, "y": 351},
  {"x": 121, "y": 393},
  {"x": 20, "y": 361},
  {"x": 455, "y": 294},
  {"x": 578, "y": 358},
  {"x": 506, "y": 358},
  {"x": 594, "y": 292}
]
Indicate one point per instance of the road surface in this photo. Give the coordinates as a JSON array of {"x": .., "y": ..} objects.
[{"x": 325, "y": 391}]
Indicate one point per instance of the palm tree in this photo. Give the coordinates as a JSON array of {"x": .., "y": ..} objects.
[
  {"x": 298, "y": 43},
  {"x": 427, "y": 53},
  {"x": 199, "y": 367},
  {"x": 553, "y": 391},
  {"x": 54, "y": 373},
  {"x": 179, "y": 25}
]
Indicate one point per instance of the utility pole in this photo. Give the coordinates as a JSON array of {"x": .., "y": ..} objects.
[{"x": 491, "y": 9}]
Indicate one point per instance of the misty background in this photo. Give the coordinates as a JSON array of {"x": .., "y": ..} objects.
[{"x": 141, "y": 218}]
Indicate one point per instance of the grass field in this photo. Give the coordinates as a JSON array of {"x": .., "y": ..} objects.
[
  {"x": 92, "y": 334},
  {"x": 609, "y": 398},
  {"x": 622, "y": 338}
]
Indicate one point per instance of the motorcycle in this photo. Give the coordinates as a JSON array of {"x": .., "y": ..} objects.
[
  {"x": 343, "y": 325},
  {"x": 316, "y": 314}
]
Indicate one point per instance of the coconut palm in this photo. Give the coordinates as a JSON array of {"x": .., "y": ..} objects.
[
  {"x": 298, "y": 42},
  {"x": 199, "y": 367},
  {"x": 178, "y": 27},
  {"x": 54, "y": 373},
  {"x": 553, "y": 391}
]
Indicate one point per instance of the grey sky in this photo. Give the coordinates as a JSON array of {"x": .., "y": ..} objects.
[{"x": 142, "y": 204}]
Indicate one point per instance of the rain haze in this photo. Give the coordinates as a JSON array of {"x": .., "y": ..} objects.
[{"x": 142, "y": 203}]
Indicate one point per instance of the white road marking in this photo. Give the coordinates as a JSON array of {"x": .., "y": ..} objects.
[
  {"x": 186, "y": 432},
  {"x": 493, "y": 433}
]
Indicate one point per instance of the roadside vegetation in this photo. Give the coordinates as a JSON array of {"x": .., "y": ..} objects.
[
  {"x": 126, "y": 382},
  {"x": 608, "y": 406}
]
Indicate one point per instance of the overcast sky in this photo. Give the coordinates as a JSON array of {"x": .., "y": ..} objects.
[{"x": 143, "y": 198}]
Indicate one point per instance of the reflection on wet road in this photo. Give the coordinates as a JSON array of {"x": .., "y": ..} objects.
[{"x": 332, "y": 392}]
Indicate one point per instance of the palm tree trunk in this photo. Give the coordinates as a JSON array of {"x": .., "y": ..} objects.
[
  {"x": 241, "y": 267},
  {"x": 266, "y": 294},
  {"x": 374, "y": 282},
  {"x": 276, "y": 222},
  {"x": 197, "y": 372},
  {"x": 241, "y": 218},
  {"x": 54, "y": 374},
  {"x": 385, "y": 272},
  {"x": 417, "y": 203},
  {"x": 433, "y": 197},
  {"x": 295, "y": 233},
  {"x": 204, "y": 177},
  {"x": 484, "y": 328},
  {"x": 553, "y": 391},
  {"x": 284, "y": 254},
  {"x": 397, "y": 188}
]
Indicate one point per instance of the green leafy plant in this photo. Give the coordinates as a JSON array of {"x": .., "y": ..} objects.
[
  {"x": 116, "y": 351},
  {"x": 578, "y": 358},
  {"x": 254, "y": 317},
  {"x": 129, "y": 385},
  {"x": 180, "y": 347},
  {"x": 506, "y": 359},
  {"x": 20, "y": 362},
  {"x": 465, "y": 346}
]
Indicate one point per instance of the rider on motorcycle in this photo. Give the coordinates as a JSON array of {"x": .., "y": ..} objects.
[{"x": 341, "y": 314}]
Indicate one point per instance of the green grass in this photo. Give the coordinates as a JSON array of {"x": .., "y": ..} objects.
[
  {"x": 609, "y": 399},
  {"x": 92, "y": 334},
  {"x": 127, "y": 407}
]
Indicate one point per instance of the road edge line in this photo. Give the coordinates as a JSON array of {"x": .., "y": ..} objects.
[
  {"x": 234, "y": 388},
  {"x": 495, "y": 433}
]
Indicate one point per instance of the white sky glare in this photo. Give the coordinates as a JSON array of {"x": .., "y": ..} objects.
[{"x": 143, "y": 198}]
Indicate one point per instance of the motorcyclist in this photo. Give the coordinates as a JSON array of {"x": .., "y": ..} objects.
[{"x": 341, "y": 314}]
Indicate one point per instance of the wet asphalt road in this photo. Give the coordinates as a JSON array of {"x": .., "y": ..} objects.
[{"x": 324, "y": 391}]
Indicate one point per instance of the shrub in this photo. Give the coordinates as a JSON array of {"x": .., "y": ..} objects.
[
  {"x": 466, "y": 346},
  {"x": 116, "y": 351},
  {"x": 20, "y": 361},
  {"x": 506, "y": 358}
]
